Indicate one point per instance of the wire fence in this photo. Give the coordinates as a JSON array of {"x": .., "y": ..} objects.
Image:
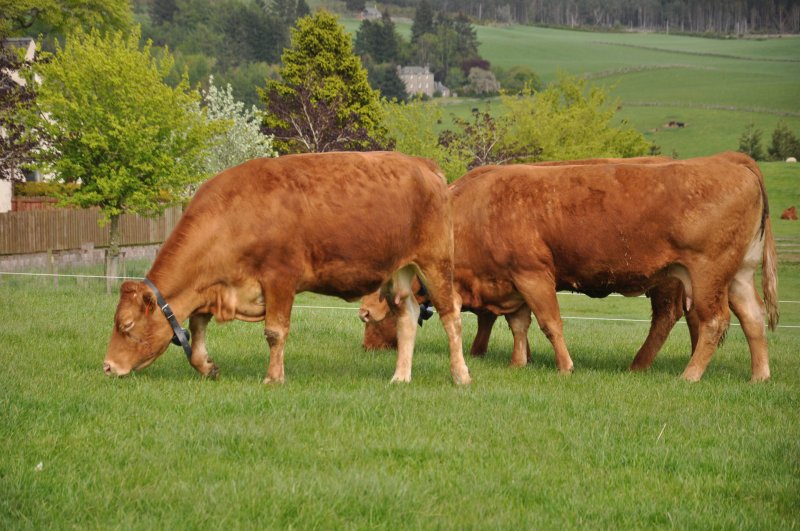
[{"x": 354, "y": 308}]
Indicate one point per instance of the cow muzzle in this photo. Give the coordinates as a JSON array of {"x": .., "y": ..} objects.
[{"x": 110, "y": 369}]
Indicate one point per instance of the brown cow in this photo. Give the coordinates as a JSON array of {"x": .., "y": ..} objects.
[
  {"x": 666, "y": 301},
  {"x": 338, "y": 223},
  {"x": 692, "y": 231}
]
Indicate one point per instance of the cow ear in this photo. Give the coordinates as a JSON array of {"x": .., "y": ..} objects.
[
  {"x": 128, "y": 287},
  {"x": 149, "y": 300}
]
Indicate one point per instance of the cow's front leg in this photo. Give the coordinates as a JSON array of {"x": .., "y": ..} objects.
[
  {"x": 279, "y": 297},
  {"x": 200, "y": 360}
]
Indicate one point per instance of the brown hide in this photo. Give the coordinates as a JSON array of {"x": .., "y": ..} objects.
[
  {"x": 790, "y": 214},
  {"x": 338, "y": 223},
  {"x": 627, "y": 228},
  {"x": 380, "y": 333}
]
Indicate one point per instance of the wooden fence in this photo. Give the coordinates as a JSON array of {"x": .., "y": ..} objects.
[{"x": 38, "y": 231}]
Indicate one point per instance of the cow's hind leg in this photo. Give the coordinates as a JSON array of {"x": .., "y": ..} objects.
[
  {"x": 439, "y": 282},
  {"x": 200, "y": 360},
  {"x": 749, "y": 309},
  {"x": 666, "y": 300},
  {"x": 538, "y": 289},
  {"x": 279, "y": 296},
  {"x": 480, "y": 344},
  {"x": 520, "y": 322},
  {"x": 713, "y": 317}
]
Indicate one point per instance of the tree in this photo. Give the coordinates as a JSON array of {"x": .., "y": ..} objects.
[
  {"x": 414, "y": 127},
  {"x": 750, "y": 142},
  {"x": 378, "y": 40},
  {"x": 482, "y": 82},
  {"x": 784, "y": 143},
  {"x": 323, "y": 101},
  {"x": 482, "y": 138},
  {"x": 241, "y": 139},
  {"x": 17, "y": 96},
  {"x": 134, "y": 143},
  {"x": 423, "y": 21},
  {"x": 386, "y": 79},
  {"x": 569, "y": 120},
  {"x": 61, "y": 16}
]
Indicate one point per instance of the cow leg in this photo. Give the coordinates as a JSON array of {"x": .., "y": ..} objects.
[
  {"x": 407, "y": 315},
  {"x": 480, "y": 344},
  {"x": 539, "y": 292},
  {"x": 693, "y": 322},
  {"x": 520, "y": 322},
  {"x": 443, "y": 297},
  {"x": 200, "y": 360},
  {"x": 711, "y": 305},
  {"x": 666, "y": 300},
  {"x": 279, "y": 296},
  {"x": 749, "y": 309}
]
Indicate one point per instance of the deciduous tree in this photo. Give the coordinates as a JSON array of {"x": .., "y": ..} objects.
[
  {"x": 241, "y": 138},
  {"x": 134, "y": 143},
  {"x": 569, "y": 120}
]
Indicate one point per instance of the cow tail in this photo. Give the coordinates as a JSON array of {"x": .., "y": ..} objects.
[{"x": 769, "y": 276}]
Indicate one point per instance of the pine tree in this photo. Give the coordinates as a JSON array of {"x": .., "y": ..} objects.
[
  {"x": 423, "y": 21},
  {"x": 323, "y": 101}
]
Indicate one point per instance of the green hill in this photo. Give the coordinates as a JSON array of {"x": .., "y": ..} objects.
[{"x": 715, "y": 87}]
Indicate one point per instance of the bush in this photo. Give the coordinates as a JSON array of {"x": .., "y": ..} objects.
[
  {"x": 45, "y": 189},
  {"x": 784, "y": 143},
  {"x": 750, "y": 142}
]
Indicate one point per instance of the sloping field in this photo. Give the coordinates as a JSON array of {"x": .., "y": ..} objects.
[{"x": 715, "y": 87}]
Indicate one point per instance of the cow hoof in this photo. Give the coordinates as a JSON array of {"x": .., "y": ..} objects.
[
  {"x": 213, "y": 371},
  {"x": 691, "y": 376},
  {"x": 400, "y": 379},
  {"x": 462, "y": 380},
  {"x": 759, "y": 378},
  {"x": 273, "y": 381},
  {"x": 516, "y": 364}
]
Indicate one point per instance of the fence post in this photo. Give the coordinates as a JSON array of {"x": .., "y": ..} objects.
[{"x": 52, "y": 266}]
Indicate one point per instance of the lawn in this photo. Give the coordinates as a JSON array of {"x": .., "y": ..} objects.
[{"x": 338, "y": 447}]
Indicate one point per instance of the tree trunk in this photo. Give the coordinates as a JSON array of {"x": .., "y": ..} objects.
[{"x": 112, "y": 255}]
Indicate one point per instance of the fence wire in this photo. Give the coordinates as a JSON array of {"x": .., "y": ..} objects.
[{"x": 352, "y": 308}]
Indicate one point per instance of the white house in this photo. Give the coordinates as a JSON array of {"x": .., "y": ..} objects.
[{"x": 417, "y": 79}]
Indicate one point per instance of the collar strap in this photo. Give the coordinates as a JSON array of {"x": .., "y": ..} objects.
[{"x": 180, "y": 336}]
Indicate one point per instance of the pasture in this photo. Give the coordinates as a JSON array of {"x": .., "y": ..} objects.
[
  {"x": 338, "y": 447},
  {"x": 715, "y": 86}
]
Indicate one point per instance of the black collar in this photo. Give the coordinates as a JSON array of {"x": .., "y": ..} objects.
[{"x": 180, "y": 336}]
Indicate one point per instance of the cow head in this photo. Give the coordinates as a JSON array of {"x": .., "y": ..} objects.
[
  {"x": 374, "y": 307},
  {"x": 141, "y": 332}
]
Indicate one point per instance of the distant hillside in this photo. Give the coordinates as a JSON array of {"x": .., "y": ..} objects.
[{"x": 731, "y": 17}]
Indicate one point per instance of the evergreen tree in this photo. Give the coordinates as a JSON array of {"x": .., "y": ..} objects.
[
  {"x": 323, "y": 101},
  {"x": 750, "y": 142},
  {"x": 423, "y": 21},
  {"x": 784, "y": 143}
]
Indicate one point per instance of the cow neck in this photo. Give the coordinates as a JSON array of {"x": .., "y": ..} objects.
[{"x": 180, "y": 336}]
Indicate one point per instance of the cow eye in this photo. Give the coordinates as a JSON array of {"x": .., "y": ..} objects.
[{"x": 126, "y": 326}]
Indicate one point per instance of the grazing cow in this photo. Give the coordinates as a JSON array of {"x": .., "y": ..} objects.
[
  {"x": 689, "y": 233},
  {"x": 380, "y": 329},
  {"x": 337, "y": 223}
]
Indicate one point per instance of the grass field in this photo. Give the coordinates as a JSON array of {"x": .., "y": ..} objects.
[
  {"x": 338, "y": 447},
  {"x": 716, "y": 87}
]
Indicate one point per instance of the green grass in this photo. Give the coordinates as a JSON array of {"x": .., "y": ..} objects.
[
  {"x": 338, "y": 447},
  {"x": 716, "y": 86}
]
